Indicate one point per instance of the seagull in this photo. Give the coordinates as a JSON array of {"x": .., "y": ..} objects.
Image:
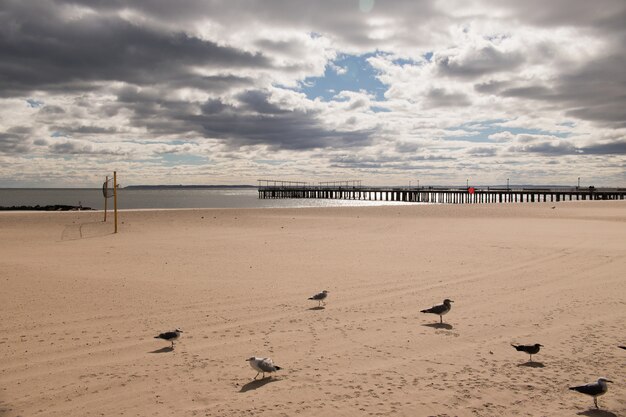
[
  {"x": 320, "y": 297},
  {"x": 530, "y": 349},
  {"x": 263, "y": 365},
  {"x": 440, "y": 309},
  {"x": 595, "y": 389},
  {"x": 170, "y": 336}
]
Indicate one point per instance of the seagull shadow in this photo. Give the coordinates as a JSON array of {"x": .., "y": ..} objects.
[
  {"x": 439, "y": 326},
  {"x": 317, "y": 308},
  {"x": 592, "y": 412},
  {"x": 532, "y": 364},
  {"x": 163, "y": 350},
  {"x": 257, "y": 383}
]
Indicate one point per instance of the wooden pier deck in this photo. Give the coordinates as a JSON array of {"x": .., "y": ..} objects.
[{"x": 353, "y": 190}]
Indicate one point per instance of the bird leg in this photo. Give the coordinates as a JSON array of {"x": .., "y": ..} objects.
[
  {"x": 440, "y": 319},
  {"x": 595, "y": 401},
  {"x": 531, "y": 357},
  {"x": 172, "y": 344},
  {"x": 257, "y": 374}
]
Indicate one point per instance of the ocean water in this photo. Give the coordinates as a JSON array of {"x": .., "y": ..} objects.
[{"x": 165, "y": 199}]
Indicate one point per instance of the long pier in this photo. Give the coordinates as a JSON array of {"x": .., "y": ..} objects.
[{"x": 354, "y": 190}]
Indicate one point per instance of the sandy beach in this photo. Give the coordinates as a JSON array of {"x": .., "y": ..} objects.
[{"x": 80, "y": 307}]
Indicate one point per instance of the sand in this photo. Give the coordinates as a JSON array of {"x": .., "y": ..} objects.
[{"x": 80, "y": 306}]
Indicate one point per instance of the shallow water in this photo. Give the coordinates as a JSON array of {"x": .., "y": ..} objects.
[{"x": 164, "y": 198}]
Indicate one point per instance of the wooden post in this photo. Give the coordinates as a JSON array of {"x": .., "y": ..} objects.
[{"x": 115, "y": 198}]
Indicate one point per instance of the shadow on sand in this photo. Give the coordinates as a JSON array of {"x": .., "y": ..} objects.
[
  {"x": 163, "y": 350},
  {"x": 255, "y": 384},
  {"x": 439, "y": 326},
  {"x": 593, "y": 412},
  {"x": 86, "y": 230},
  {"x": 317, "y": 308},
  {"x": 532, "y": 364}
]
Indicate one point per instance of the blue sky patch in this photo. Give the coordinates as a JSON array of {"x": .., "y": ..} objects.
[
  {"x": 34, "y": 104},
  {"x": 346, "y": 73}
]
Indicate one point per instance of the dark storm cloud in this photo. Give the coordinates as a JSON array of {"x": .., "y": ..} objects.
[
  {"x": 51, "y": 51},
  {"x": 482, "y": 62}
]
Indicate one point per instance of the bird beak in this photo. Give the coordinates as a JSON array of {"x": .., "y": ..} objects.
[
  {"x": 541, "y": 345},
  {"x": 609, "y": 381}
]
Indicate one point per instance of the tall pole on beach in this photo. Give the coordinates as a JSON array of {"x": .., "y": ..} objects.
[
  {"x": 507, "y": 184},
  {"x": 106, "y": 184},
  {"x": 578, "y": 182},
  {"x": 115, "y": 197}
]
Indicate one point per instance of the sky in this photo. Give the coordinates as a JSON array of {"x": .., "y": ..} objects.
[{"x": 386, "y": 92}]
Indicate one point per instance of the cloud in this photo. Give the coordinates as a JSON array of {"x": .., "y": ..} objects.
[
  {"x": 255, "y": 120},
  {"x": 482, "y": 151},
  {"x": 83, "y": 148},
  {"x": 153, "y": 84},
  {"x": 13, "y": 143},
  {"x": 440, "y": 97},
  {"x": 79, "y": 53},
  {"x": 477, "y": 63}
]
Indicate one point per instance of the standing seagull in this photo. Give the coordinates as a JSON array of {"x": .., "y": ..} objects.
[
  {"x": 170, "y": 336},
  {"x": 530, "y": 349},
  {"x": 595, "y": 389},
  {"x": 263, "y": 365},
  {"x": 320, "y": 297},
  {"x": 440, "y": 309}
]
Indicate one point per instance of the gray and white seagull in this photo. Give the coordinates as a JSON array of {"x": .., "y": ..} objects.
[
  {"x": 320, "y": 297},
  {"x": 595, "y": 389},
  {"x": 263, "y": 365},
  {"x": 440, "y": 309},
  {"x": 170, "y": 336}
]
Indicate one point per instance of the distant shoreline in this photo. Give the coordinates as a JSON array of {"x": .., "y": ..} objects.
[
  {"x": 52, "y": 207},
  {"x": 184, "y": 187}
]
